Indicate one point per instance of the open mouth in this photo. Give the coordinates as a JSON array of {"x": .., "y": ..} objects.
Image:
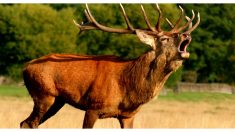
[{"x": 182, "y": 48}]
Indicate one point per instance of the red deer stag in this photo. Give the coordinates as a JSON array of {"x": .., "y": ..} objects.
[{"x": 107, "y": 86}]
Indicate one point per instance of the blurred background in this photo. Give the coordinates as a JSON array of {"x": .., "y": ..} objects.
[{"x": 29, "y": 31}]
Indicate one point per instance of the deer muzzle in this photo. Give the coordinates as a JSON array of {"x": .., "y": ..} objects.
[{"x": 182, "y": 48}]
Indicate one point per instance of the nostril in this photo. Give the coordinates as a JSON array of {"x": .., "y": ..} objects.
[{"x": 188, "y": 38}]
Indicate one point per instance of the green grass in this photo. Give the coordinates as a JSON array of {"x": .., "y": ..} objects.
[
  {"x": 197, "y": 96},
  {"x": 16, "y": 91},
  {"x": 13, "y": 91}
]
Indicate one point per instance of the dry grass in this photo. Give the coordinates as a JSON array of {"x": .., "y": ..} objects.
[{"x": 156, "y": 114}]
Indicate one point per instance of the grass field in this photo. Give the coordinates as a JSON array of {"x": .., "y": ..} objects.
[
  {"x": 184, "y": 110},
  {"x": 13, "y": 91}
]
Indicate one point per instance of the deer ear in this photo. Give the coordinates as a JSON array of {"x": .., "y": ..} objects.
[{"x": 145, "y": 38}]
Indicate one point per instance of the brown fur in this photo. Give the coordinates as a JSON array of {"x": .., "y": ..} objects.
[{"x": 103, "y": 86}]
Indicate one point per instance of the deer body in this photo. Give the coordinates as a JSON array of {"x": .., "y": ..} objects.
[
  {"x": 106, "y": 81},
  {"x": 104, "y": 86}
]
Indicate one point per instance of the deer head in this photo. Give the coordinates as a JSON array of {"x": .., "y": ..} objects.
[{"x": 173, "y": 44}]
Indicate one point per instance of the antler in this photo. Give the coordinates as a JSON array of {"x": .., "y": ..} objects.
[
  {"x": 126, "y": 18},
  {"x": 92, "y": 24},
  {"x": 146, "y": 19},
  {"x": 175, "y": 28},
  {"x": 195, "y": 26},
  {"x": 158, "y": 26}
]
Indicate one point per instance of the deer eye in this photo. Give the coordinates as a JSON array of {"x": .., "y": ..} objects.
[
  {"x": 176, "y": 35},
  {"x": 165, "y": 39}
]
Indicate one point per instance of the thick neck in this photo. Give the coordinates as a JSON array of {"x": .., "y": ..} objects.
[{"x": 145, "y": 76}]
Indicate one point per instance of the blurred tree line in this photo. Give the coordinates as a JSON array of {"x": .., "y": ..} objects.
[{"x": 28, "y": 31}]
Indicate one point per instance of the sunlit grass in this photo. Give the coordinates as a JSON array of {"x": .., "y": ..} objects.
[
  {"x": 156, "y": 114},
  {"x": 182, "y": 110},
  {"x": 198, "y": 96},
  {"x": 13, "y": 91}
]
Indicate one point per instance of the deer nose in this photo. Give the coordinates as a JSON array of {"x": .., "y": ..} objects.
[{"x": 186, "y": 36}]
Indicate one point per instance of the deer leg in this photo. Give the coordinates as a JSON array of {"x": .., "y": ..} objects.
[
  {"x": 90, "y": 118},
  {"x": 57, "y": 105},
  {"x": 126, "y": 122},
  {"x": 41, "y": 105}
]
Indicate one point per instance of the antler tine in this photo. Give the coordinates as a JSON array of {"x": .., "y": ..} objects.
[
  {"x": 104, "y": 28},
  {"x": 188, "y": 23},
  {"x": 195, "y": 26},
  {"x": 169, "y": 22},
  {"x": 146, "y": 19},
  {"x": 158, "y": 26},
  {"x": 126, "y": 18},
  {"x": 87, "y": 15},
  {"x": 179, "y": 20},
  {"x": 85, "y": 26},
  {"x": 78, "y": 25}
]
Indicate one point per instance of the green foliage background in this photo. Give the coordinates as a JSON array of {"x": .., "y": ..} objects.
[{"x": 28, "y": 31}]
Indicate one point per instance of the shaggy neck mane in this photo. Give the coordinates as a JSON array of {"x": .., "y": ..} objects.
[{"x": 145, "y": 76}]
